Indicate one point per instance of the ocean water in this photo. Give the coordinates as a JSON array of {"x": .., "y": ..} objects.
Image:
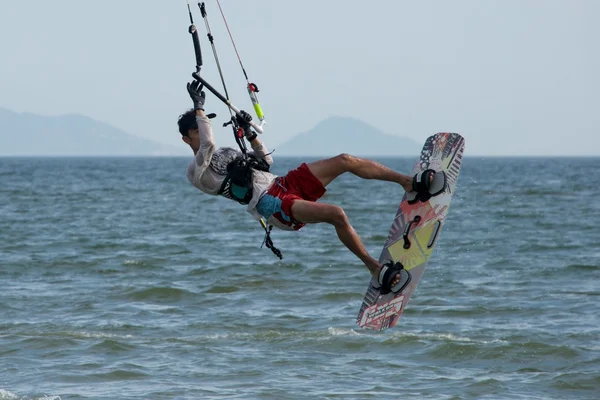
[{"x": 119, "y": 280}]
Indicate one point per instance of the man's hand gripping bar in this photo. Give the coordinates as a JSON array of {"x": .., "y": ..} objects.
[{"x": 257, "y": 128}]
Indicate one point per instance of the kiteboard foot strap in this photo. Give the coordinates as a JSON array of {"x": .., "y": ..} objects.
[
  {"x": 427, "y": 184},
  {"x": 387, "y": 275}
]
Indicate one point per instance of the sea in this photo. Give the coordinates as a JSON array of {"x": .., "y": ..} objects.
[{"x": 120, "y": 280}]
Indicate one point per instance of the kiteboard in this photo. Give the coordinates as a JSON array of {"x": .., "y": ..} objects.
[{"x": 414, "y": 233}]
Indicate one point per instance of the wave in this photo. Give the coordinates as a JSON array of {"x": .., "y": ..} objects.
[
  {"x": 112, "y": 346},
  {"x": 82, "y": 335},
  {"x": 520, "y": 352},
  {"x": 577, "y": 381},
  {"x": 7, "y": 395},
  {"x": 583, "y": 267},
  {"x": 116, "y": 375},
  {"x": 164, "y": 294}
]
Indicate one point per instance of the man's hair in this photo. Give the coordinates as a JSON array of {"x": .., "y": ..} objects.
[{"x": 187, "y": 121}]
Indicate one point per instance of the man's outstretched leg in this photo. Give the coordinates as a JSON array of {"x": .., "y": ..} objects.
[
  {"x": 312, "y": 212},
  {"x": 328, "y": 169}
]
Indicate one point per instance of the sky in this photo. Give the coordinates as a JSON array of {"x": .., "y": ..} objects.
[{"x": 514, "y": 77}]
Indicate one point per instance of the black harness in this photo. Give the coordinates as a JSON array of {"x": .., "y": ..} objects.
[{"x": 238, "y": 183}]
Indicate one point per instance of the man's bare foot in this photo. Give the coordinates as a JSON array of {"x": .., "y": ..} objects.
[
  {"x": 375, "y": 270},
  {"x": 408, "y": 185},
  {"x": 394, "y": 282}
]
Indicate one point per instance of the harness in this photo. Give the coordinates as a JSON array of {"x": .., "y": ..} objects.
[{"x": 238, "y": 184}]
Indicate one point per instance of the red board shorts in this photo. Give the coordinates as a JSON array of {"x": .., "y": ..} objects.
[{"x": 299, "y": 183}]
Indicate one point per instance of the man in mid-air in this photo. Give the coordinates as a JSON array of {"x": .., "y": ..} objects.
[{"x": 290, "y": 202}]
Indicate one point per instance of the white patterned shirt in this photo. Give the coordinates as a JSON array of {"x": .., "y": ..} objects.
[{"x": 208, "y": 169}]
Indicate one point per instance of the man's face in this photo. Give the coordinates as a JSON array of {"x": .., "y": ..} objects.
[{"x": 192, "y": 139}]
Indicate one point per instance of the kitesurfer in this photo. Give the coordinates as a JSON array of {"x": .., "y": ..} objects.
[{"x": 289, "y": 202}]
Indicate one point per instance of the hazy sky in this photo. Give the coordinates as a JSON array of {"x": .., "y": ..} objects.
[{"x": 514, "y": 77}]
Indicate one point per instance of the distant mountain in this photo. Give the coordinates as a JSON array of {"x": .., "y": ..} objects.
[
  {"x": 337, "y": 135},
  {"x": 25, "y": 134}
]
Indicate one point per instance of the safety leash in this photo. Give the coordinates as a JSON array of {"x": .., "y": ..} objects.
[{"x": 267, "y": 241}]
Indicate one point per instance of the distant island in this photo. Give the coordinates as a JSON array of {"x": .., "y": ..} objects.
[
  {"x": 26, "y": 134},
  {"x": 336, "y": 135}
]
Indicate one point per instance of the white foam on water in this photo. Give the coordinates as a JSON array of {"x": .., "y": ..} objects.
[
  {"x": 97, "y": 335},
  {"x": 449, "y": 337},
  {"x": 6, "y": 395},
  {"x": 342, "y": 332},
  {"x": 255, "y": 312}
]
